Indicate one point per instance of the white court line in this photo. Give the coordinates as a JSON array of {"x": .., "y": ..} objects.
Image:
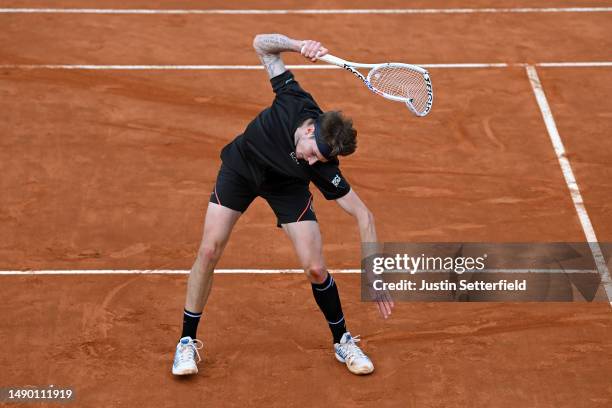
[
  {"x": 529, "y": 270},
  {"x": 252, "y": 271},
  {"x": 220, "y": 67},
  {"x": 159, "y": 271},
  {"x": 574, "y": 64},
  {"x": 304, "y": 67},
  {"x": 570, "y": 180},
  {"x": 157, "y": 67},
  {"x": 312, "y": 11}
]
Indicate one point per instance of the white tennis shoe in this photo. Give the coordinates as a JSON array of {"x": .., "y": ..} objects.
[
  {"x": 185, "y": 357},
  {"x": 349, "y": 353}
]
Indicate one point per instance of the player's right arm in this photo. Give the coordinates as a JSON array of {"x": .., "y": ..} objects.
[{"x": 269, "y": 47}]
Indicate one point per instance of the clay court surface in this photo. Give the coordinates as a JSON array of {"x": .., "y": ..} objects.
[{"x": 111, "y": 169}]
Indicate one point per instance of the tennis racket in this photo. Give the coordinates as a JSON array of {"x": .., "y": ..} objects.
[{"x": 395, "y": 81}]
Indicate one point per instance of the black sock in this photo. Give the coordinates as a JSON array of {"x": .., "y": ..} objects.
[
  {"x": 326, "y": 295},
  {"x": 190, "y": 323}
]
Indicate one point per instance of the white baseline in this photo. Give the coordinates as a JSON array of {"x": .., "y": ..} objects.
[{"x": 312, "y": 11}]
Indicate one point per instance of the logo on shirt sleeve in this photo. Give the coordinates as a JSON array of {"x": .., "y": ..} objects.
[
  {"x": 294, "y": 157},
  {"x": 336, "y": 180}
]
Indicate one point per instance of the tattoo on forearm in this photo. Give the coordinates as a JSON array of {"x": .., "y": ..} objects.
[
  {"x": 274, "y": 43},
  {"x": 273, "y": 63},
  {"x": 269, "y": 47}
]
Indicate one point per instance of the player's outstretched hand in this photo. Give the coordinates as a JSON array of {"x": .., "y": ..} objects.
[
  {"x": 383, "y": 298},
  {"x": 385, "y": 303},
  {"x": 312, "y": 50}
]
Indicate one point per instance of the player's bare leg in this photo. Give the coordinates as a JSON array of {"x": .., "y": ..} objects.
[
  {"x": 218, "y": 225},
  {"x": 306, "y": 239}
]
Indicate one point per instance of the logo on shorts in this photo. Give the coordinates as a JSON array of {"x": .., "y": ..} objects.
[{"x": 336, "y": 180}]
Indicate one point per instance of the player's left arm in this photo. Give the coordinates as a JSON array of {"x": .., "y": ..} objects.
[{"x": 352, "y": 204}]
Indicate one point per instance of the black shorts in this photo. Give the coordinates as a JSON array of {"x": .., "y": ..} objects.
[{"x": 290, "y": 199}]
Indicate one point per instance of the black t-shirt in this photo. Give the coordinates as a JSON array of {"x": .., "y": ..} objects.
[{"x": 266, "y": 149}]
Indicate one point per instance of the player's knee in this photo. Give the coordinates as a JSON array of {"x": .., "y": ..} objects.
[
  {"x": 316, "y": 273},
  {"x": 210, "y": 252}
]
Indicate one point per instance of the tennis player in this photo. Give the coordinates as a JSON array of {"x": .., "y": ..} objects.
[{"x": 281, "y": 151}]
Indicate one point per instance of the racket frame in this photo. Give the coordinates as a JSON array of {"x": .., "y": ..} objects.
[{"x": 351, "y": 67}]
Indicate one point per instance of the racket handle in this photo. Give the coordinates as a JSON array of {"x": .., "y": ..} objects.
[{"x": 331, "y": 59}]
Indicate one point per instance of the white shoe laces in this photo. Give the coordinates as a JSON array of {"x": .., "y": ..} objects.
[
  {"x": 353, "y": 350},
  {"x": 187, "y": 351}
]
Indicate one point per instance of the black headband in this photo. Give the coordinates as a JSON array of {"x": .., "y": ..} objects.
[{"x": 324, "y": 148}]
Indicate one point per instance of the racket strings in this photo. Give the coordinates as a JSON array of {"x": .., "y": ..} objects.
[{"x": 402, "y": 82}]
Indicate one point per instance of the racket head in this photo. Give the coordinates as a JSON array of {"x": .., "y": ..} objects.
[{"x": 406, "y": 83}]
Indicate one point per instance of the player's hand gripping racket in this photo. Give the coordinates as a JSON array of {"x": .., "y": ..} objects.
[{"x": 395, "y": 81}]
